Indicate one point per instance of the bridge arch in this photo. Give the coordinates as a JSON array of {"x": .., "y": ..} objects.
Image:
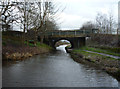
[
  {"x": 57, "y": 40},
  {"x": 76, "y": 42}
]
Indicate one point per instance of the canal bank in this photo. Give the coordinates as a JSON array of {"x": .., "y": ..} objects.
[
  {"x": 108, "y": 64},
  {"x": 14, "y": 48},
  {"x": 22, "y": 52},
  {"x": 54, "y": 70}
]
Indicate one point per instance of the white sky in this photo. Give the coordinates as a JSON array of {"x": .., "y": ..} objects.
[{"x": 78, "y": 12}]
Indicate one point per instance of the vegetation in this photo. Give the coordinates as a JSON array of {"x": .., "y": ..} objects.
[
  {"x": 62, "y": 42},
  {"x": 111, "y": 49},
  {"x": 38, "y": 44},
  {"x": 36, "y": 16},
  {"x": 104, "y": 23},
  {"x": 87, "y": 54},
  {"x": 14, "y": 49},
  {"x": 106, "y": 40},
  {"x": 34, "y": 20},
  {"x": 68, "y": 46},
  {"x": 105, "y": 27},
  {"x": 92, "y": 55},
  {"x": 11, "y": 40},
  {"x": 108, "y": 64}
]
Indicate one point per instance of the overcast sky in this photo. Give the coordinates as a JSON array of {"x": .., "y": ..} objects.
[{"x": 78, "y": 12}]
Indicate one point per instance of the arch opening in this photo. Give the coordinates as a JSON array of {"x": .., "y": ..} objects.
[{"x": 61, "y": 42}]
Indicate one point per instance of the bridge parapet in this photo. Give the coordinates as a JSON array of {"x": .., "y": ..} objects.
[
  {"x": 70, "y": 33},
  {"x": 80, "y": 35}
]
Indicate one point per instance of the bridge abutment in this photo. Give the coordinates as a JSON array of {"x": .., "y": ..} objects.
[{"x": 78, "y": 42}]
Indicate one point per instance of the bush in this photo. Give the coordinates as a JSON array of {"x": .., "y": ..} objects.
[{"x": 104, "y": 40}]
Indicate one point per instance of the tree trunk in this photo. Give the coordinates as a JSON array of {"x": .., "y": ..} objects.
[
  {"x": 35, "y": 38},
  {"x": 23, "y": 40},
  {"x": 41, "y": 39}
]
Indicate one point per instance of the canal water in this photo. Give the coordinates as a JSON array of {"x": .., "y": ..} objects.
[{"x": 54, "y": 70}]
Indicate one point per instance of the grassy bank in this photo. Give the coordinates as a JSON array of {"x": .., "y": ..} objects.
[
  {"x": 14, "y": 49},
  {"x": 108, "y": 64},
  {"x": 110, "y": 51}
]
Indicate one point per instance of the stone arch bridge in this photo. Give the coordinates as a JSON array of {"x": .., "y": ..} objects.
[
  {"x": 77, "y": 38},
  {"x": 76, "y": 42}
]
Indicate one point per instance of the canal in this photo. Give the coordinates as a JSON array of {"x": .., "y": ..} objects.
[{"x": 54, "y": 70}]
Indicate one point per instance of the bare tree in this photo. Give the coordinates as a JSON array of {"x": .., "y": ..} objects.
[
  {"x": 7, "y": 14},
  {"x": 102, "y": 23},
  {"x": 37, "y": 15},
  {"x": 43, "y": 18},
  {"x": 112, "y": 23},
  {"x": 27, "y": 12},
  {"x": 105, "y": 23}
]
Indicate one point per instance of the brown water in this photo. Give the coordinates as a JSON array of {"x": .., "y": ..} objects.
[{"x": 54, "y": 70}]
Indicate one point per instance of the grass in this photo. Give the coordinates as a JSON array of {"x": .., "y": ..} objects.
[
  {"x": 16, "y": 41},
  {"x": 99, "y": 50},
  {"x": 111, "y": 49},
  {"x": 29, "y": 44},
  {"x": 92, "y": 55},
  {"x": 39, "y": 45},
  {"x": 9, "y": 40}
]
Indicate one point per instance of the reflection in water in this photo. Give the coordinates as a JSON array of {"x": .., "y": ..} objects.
[
  {"x": 54, "y": 70},
  {"x": 62, "y": 48}
]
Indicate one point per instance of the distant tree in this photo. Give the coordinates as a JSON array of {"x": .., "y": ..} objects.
[
  {"x": 88, "y": 26},
  {"x": 105, "y": 23},
  {"x": 102, "y": 23},
  {"x": 112, "y": 23},
  {"x": 51, "y": 25}
]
